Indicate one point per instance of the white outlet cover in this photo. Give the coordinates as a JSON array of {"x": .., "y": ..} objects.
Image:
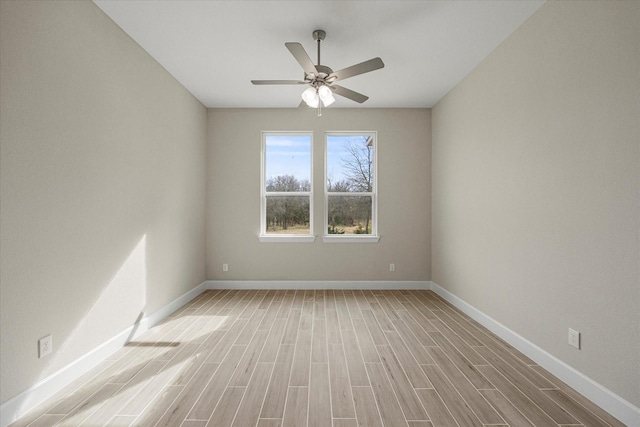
[
  {"x": 574, "y": 338},
  {"x": 45, "y": 346}
]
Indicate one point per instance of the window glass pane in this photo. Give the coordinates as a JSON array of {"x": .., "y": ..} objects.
[
  {"x": 349, "y": 215},
  {"x": 287, "y": 215},
  {"x": 287, "y": 163},
  {"x": 350, "y": 163}
]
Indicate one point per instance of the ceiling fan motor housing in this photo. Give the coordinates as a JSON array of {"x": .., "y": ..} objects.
[{"x": 319, "y": 35}]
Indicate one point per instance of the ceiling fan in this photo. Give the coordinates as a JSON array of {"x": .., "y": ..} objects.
[{"x": 321, "y": 78}]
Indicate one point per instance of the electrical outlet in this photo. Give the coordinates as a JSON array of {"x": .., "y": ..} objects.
[
  {"x": 574, "y": 338},
  {"x": 392, "y": 267},
  {"x": 225, "y": 267},
  {"x": 45, "y": 346}
]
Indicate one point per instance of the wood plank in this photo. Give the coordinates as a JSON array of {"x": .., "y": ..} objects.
[
  {"x": 377, "y": 335},
  {"x": 218, "y": 353},
  {"x": 582, "y": 414},
  {"x": 127, "y": 392},
  {"x": 345, "y": 422},
  {"x": 333, "y": 327},
  {"x": 245, "y": 368},
  {"x": 453, "y": 341},
  {"x": 301, "y": 360},
  {"x": 406, "y": 395},
  {"x": 149, "y": 391},
  {"x": 367, "y": 346},
  {"x": 355, "y": 364},
  {"x": 529, "y": 409},
  {"x": 319, "y": 346},
  {"x": 225, "y": 411},
  {"x": 409, "y": 364},
  {"x": 387, "y": 308},
  {"x": 252, "y": 326},
  {"x": 268, "y": 422},
  {"x": 437, "y": 410},
  {"x": 178, "y": 410},
  {"x": 276, "y": 394},
  {"x": 421, "y": 335},
  {"x": 318, "y": 306},
  {"x": 249, "y": 410},
  {"x": 342, "y": 308},
  {"x": 485, "y": 412},
  {"x": 306, "y": 319},
  {"x": 352, "y": 304},
  {"x": 319, "y": 396},
  {"x": 206, "y": 403},
  {"x": 382, "y": 318},
  {"x": 341, "y": 398},
  {"x": 462, "y": 363},
  {"x": 460, "y": 410},
  {"x": 386, "y": 401},
  {"x": 117, "y": 421},
  {"x": 298, "y": 299},
  {"x": 89, "y": 407},
  {"x": 291, "y": 330},
  {"x": 272, "y": 345},
  {"x": 366, "y": 409},
  {"x": 286, "y": 306},
  {"x": 270, "y": 316},
  {"x": 295, "y": 411},
  {"x": 557, "y": 413},
  {"x": 499, "y": 352},
  {"x": 608, "y": 418},
  {"x": 154, "y": 412},
  {"x": 504, "y": 407}
]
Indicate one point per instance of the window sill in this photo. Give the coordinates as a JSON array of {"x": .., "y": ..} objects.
[
  {"x": 350, "y": 239},
  {"x": 291, "y": 238}
]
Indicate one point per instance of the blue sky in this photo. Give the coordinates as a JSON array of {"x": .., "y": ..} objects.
[
  {"x": 288, "y": 155},
  {"x": 291, "y": 155}
]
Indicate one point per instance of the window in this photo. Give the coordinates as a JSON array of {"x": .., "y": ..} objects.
[
  {"x": 350, "y": 187},
  {"x": 286, "y": 190}
]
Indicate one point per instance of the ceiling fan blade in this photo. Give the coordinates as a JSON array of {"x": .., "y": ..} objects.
[
  {"x": 302, "y": 57},
  {"x": 277, "y": 82},
  {"x": 348, "y": 93},
  {"x": 361, "y": 68}
]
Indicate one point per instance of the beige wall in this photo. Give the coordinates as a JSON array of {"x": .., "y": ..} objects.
[
  {"x": 536, "y": 213},
  {"x": 233, "y": 202},
  {"x": 102, "y": 185}
]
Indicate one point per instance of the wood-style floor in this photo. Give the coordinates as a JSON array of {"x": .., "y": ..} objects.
[{"x": 318, "y": 358}]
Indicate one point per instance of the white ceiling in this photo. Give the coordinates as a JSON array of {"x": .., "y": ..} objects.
[{"x": 214, "y": 48}]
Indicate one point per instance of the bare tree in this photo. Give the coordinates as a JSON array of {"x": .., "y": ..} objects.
[
  {"x": 287, "y": 210},
  {"x": 359, "y": 172},
  {"x": 359, "y": 167}
]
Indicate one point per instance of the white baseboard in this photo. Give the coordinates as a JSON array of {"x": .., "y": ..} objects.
[
  {"x": 316, "y": 284},
  {"x": 601, "y": 396},
  {"x": 29, "y": 399},
  {"x": 157, "y": 316}
]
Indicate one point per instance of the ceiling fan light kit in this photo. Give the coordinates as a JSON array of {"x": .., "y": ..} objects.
[{"x": 321, "y": 79}]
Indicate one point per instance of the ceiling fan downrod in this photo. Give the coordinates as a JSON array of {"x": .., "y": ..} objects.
[{"x": 319, "y": 35}]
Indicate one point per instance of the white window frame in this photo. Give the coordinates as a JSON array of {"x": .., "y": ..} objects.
[
  {"x": 284, "y": 238},
  {"x": 374, "y": 237}
]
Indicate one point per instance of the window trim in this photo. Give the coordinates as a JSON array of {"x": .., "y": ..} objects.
[
  {"x": 374, "y": 237},
  {"x": 263, "y": 236}
]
